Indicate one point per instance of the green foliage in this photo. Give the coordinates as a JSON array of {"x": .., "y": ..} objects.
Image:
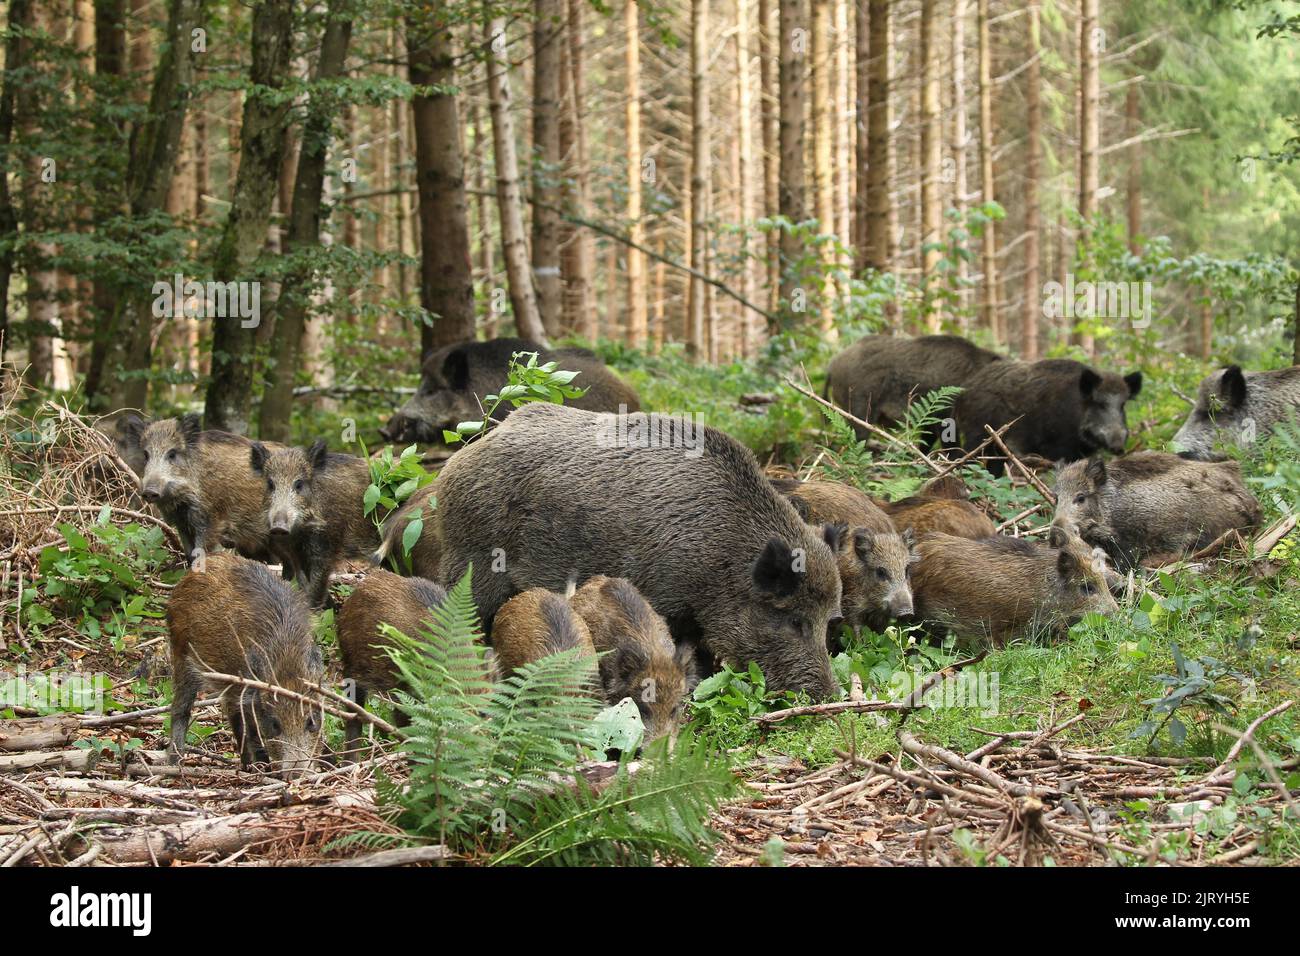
[
  {"x": 530, "y": 381},
  {"x": 392, "y": 481},
  {"x": 1192, "y": 683}
]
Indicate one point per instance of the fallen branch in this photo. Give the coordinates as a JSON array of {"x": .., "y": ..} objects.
[
  {"x": 1041, "y": 488},
  {"x": 1246, "y": 736},
  {"x": 402, "y": 856},
  {"x": 353, "y": 709}
]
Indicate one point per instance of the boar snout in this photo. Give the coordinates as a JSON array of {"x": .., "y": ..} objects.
[
  {"x": 900, "y": 603},
  {"x": 280, "y": 523}
]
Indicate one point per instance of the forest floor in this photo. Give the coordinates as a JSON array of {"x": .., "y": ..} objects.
[{"x": 1078, "y": 763}]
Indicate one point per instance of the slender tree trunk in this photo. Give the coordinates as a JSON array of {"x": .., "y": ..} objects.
[
  {"x": 636, "y": 305},
  {"x": 843, "y": 120},
  {"x": 792, "y": 54},
  {"x": 823, "y": 168},
  {"x": 482, "y": 216},
  {"x": 581, "y": 255},
  {"x": 880, "y": 233},
  {"x": 1089, "y": 122},
  {"x": 1033, "y": 294},
  {"x": 446, "y": 279},
  {"x": 862, "y": 143},
  {"x": 746, "y": 331},
  {"x": 230, "y": 394},
  {"x": 528, "y": 320},
  {"x": 931, "y": 159},
  {"x": 548, "y": 17},
  {"x": 960, "y": 139},
  {"x": 19, "y": 15},
  {"x": 1132, "y": 122},
  {"x": 700, "y": 344},
  {"x": 304, "y": 232},
  {"x": 768, "y": 101},
  {"x": 991, "y": 319}
]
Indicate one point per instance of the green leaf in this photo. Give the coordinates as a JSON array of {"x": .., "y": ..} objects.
[{"x": 411, "y": 534}]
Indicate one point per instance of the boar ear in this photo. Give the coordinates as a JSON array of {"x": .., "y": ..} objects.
[
  {"x": 455, "y": 369},
  {"x": 1232, "y": 387},
  {"x": 798, "y": 504},
  {"x": 1057, "y": 537},
  {"x": 774, "y": 571},
  {"x": 1088, "y": 382},
  {"x": 834, "y": 535},
  {"x": 684, "y": 657},
  {"x": 863, "y": 540},
  {"x": 191, "y": 425},
  {"x": 909, "y": 538},
  {"x": 257, "y": 457},
  {"x": 317, "y": 453},
  {"x": 1134, "y": 382},
  {"x": 1067, "y": 563},
  {"x": 1096, "y": 471},
  {"x": 131, "y": 428}
]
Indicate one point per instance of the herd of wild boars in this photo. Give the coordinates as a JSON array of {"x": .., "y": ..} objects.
[{"x": 657, "y": 545}]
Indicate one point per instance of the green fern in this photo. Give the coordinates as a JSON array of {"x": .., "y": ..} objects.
[
  {"x": 926, "y": 411},
  {"x": 494, "y": 767}
]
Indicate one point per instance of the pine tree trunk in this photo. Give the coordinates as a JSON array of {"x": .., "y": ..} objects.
[
  {"x": 1133, "y": 204},
  {"x": 931, "y": 160},
  {"x": 793, "y": 187},
  {"x": 636, "y": 305},
  {"x": 768, "y": 101},
  {"x": 579, "y": 259},
  {"x": 746, "y": 328},
  {"x": 862, "y": 143},
  {"x": 1089, "y": 122},
  {"x": 446, "y": 280},
  {"x": 548, "y": 17},
  {"x": 959, "y": 142},
  {"x": 823, "y": 169},
  {"x": 1033, "y": 293},
  {"x": 304, "y": 231},
  {"x": 843, "y": 122},
  {"x": 528, "y": 320},
  {"x": 991, "y": 319},
  {"x": 230, "y": 394},
  {"x": 879, "y": 236},
  {"x": 700, "y": 344},
  {"x": 19, "y": 15}
]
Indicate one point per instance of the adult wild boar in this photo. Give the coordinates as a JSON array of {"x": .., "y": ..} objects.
[
  {"x": 684, "y": 513},
  {"x": 1151, "y": 503},
  {"x": 1067, "y": 410},
  {"x": 877, "y": 376},
  {"x": 456, "y": 379},
  {"x": 1233, "y": 407}
]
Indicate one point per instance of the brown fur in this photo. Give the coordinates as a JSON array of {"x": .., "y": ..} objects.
[
  {"x": 944, "y": 515},
  {"x": 535, "y": 624},
  {"x": 830, "y": 502},
  {"x": 236, "y": 617},
  {"x": 639, "y": 659},
  {"x": 426, "y": 552},
  {"x": 382, "y": 598}
]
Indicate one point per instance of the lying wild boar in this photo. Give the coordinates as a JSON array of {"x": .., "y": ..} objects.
[
  {"x": 382, "y": 598},
  {"x": 456, "y": 379},
  {"x": 314, "y": 508},
  {"x": 1150, "y": 503},
  {"x": 202, "y": 484},
  {"x": 1067, "y": 410},
  {"x": 1234, "y": 407},
  {"x": 687, "y": 517},
  {"x": 236, "y": 617},
  {"x": 831, "y": 502},
  {"x": 1001, "y": 587},
  {"x": 639, "y": 659},
  {"x": 922, "y": 515},
  {"x": 878, "y": 376}
]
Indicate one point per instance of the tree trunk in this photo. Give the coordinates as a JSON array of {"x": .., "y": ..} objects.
[
  {"x": 931, "y": 161},
  {"x": 528, "y": 320},
  {"x": 880, "y": 233},
  {"x": 482, "y": 217},
  {"x": 548, "y": 15},
  {"x": 636, "y": 304},
  {"x": 746, "y": 330},
  {"x": 988, "y": 241},
  {"x": 577, "y": 261},
  {"x": 446, "y": 279},
  {"x": 843, "y": 121},
  {"x": 1132, "y": 122},
  {"x": 823, "y": 169},
  {"x": 19, "y": 15},
  {"x": 959, "y": 142},
  {"x": 304, "y": 231},
  {"x": 861, "y": 159},
  {"x": 230, "y": 393},
  {"x": 1089, "y": 122},
  {"x": 767, "y": 83},
  {"x": 700, "y": 344},
  {"x": 792, "y": 191},
  {"x": 1033, "y": 293}
]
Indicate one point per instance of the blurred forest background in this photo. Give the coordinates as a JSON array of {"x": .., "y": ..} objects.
[{"x": 728, "y": 184}]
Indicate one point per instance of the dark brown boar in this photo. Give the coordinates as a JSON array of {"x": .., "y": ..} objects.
[
  {"x": 382, "y": 598},
  {"x": 679, "y": 509},
  {"x": 1151, "y": 503},
  {"x": 999, "y": 588},
  {"x": 878, "y": 376},
  {"x": 314, "y": 505},
  {"x": 923, "y": 515},
  {"x": 426, "y": 552},
  {"x": 1067, "y": 410},
  {"x": 202, "y": 483},
  {"x": 538, "y": 623},
  {"x": 456, "y": 380},
  {"x": 639, "y": 659},
  {"x": 236, "y": 617}
]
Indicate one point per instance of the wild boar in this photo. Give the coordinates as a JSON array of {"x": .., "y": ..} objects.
[
  {"x": 425, "y": 553},
  {"x": 382, "y": 598},
  {"x": 313, "y": 501},
  {"x": 236, "y": 617},
  {"x": 457, "y": 378},
  {"x": 679, "y": 509},
  {"x": 1067, "y": 410},
  {"x": 639, "y": 659},
  {"x": 538, "y": 623},
  {"x": 1151, "y": 503},
  {"x": 878, "y": 376},
  {"x": 1000, "y": 587},
  {"x": 922, "y": 515},
  {"x": 831, "y": 502},
  {"x": 202, "y": 483},
  {"x": 1234, "y": 407},
  {"x": 875, "y": 573}
]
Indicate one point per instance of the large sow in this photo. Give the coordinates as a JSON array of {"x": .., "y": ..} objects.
[
  {"x": 686, "y": 515},
  {"x": 1234, "y": 407}
]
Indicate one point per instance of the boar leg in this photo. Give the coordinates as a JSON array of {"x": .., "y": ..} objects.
[
  {"x": 352, "y": 728},
  {"x": 316, "y": 567},
  {"x": 185, "y": 687}
]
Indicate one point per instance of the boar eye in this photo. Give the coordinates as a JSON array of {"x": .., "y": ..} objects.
[
  {"x": 299, "y": 486},
  {"x": 312, "y": 723},
  {"x": 273, "y": 727},
  {"x": 270, "y": 485},
  {"x": 882, "y": 574},
  {"x": 1080, "y": 499},
  {"x": 1086, "y": 588},
  {"x": 172, "y": 455}
]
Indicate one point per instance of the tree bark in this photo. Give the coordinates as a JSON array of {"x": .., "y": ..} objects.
[
  {"x": 931, "y": 160},
  {"x": 746, "y": 329},
  {"x": 1033, "y": 293},
  {"x": 959, "y": 142},
  {"x": 988, "y": 241},
  {"x": 577, "y": 260},
  {"x": 548, "y": 15},
  {"x": 1089, "y": 123},
  {"x": 528, "y": 320},
  {"x": 304, "y": 231},
  {"x": 230, "y": 393},
  {"x": 793, "y": 187},
  {"x": 823, "y": 168},
  {"x": 1132, "y": 122},
  {"x": 636, "y": 304},
  {"x": 701, "y": 344},
  {"x": 880, "y": 232},
  {"x": 768, "y": 101},
  {"x": 19, "y": 14}
]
